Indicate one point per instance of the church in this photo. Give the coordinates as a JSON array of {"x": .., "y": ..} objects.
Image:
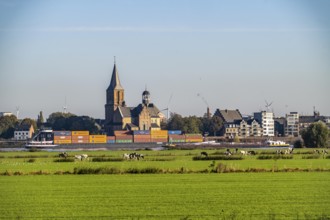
[{"x": 145, "y": 116}]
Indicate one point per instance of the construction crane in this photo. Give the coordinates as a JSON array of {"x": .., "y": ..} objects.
[
  {"x": 167, "y": 109},
  {"x": 206, "y": 103}
]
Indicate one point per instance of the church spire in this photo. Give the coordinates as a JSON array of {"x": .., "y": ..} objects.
[{"x": 115, "y": 82}]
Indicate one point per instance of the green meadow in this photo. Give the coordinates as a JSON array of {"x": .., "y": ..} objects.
[{"x": 174, "y": 186}]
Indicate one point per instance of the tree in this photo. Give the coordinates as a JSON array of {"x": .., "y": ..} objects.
[
  {"x": 7, "y": 126},
  {"x": 29, "y": 122},
  {"x": 192, "y": 124},
  {"x": 175, "y": 123},
  {"x": 215, "y": 125},
  {"x": 316, "y": 135},
  {"x": 40, "y": 120}
]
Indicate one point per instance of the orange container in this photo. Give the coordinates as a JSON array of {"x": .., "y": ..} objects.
[
  {"x": 62, "y": 141},
  {"x": 80, "y": 141},
  {"x": 80, "y": 133},
  {"x": 62, "y": 138}
]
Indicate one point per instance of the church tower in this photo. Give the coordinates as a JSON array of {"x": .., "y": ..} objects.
[{"x": 115, "y": 98}]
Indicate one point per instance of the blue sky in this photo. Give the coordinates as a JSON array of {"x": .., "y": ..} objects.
[{"x": 224, "y": 54}]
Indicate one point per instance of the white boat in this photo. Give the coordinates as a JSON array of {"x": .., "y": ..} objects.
[
  {"x": 276, "y": 143},
  {"x": 43, "y": 139}
]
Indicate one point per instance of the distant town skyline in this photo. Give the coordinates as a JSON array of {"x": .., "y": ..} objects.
[{"x": 190, "y": 55}]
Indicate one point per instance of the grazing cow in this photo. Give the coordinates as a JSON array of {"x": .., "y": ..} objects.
[
  {"x": 316, "y": 151},
  {"x": 63, "y": 154},
  {"x": 324, "y": 151},
  {"x": 204, "y": 154},
  {"x": 228, "y": 153},
  {"x": 244, "y": 152},
  {"x": 236, "y": 150},
  {"x": 78, "y": 157},
  {"x": 252, "y": 152},
  {"x": 126, "y": 156},
  {"x": 81, "y": 157}
]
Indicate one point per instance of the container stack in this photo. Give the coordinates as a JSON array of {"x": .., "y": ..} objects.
[
  {"x": 194, "y": 138},
  {"x": 80, "y": 137},
  {"x": 176, "y": 138},
  {"x": 123, "y": 137},
  {"x": 142, "y": 136},
  {"x": 62, "y": 137},
  {"x": 111, "y": 139},
  {"x": 159, "y": 136},
  {"x": 97, "y": 139}
]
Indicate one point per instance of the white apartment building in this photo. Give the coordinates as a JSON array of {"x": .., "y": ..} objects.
[
  {"x": 292, "y": 124},
  {"x": 266, "y": 120}
]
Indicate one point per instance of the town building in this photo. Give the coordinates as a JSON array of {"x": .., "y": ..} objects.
[
  {"x": 249, "y": 128},
  {"x": 23, "y": 132},
  {"x": 145, "y": 116},
  {"x": 5, "y": 114},
  {"x": 229, "y": 120},
  {"x": 279, "y": 124},
  {"x": 266, "y": 120},
  {"x": 292, "y": 124}
]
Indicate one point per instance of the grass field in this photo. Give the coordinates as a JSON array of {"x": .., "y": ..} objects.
[
  {"x": 164, "y": 196},
  {"x": 196, "y": 194}
]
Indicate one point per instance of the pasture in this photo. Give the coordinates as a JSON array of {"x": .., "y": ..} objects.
[{"x": 36, "y": 185}]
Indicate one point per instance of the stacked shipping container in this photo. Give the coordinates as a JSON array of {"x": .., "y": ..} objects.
[
  {"x": 80, "y": 137},
  {"x": 124, "y": 139},
  {"x": 111, "y": 139},
  {"x": 98, "y": 139},
  {"x": 142, "y": 136},
  {"x": 159, "y": 136},
  {"x": 62, "y": 137}
]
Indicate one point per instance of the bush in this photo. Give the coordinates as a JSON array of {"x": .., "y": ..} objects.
[
  {"x": 101, "y": 170},
  {"x": 103, "y": 159},
  {"x": 31, "y": 160},
  {"x": 311, "y": 157},
  {"x": 64, "y": 160},
  {"x": 265, "y": 157},
  {"x": 218, "y": 158}
]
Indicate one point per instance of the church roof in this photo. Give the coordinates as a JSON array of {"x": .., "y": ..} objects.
[
  {"x": 229, "y": 115},
  {"x": 115, "y": 82},
  {"x": 135, "y": 111}
]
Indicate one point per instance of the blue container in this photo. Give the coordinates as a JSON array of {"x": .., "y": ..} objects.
[
  {"x": 178, "y": 132},
  {"x": 111, "y": 141},
  {"x": 62, "y": 133},
  {"x": 141, "y": 132}
]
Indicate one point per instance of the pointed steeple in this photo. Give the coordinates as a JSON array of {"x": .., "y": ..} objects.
[{"x": 115, "y": 82}]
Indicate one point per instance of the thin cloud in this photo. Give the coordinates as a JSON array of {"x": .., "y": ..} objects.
[{"x": 155, "y": 29}]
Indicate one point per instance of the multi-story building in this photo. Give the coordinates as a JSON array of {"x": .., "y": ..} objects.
[
  {"x": 266, "y": 120},
  {"x": 292, "y": 124},
  {"x": 229, "y": 120},
  {"x": 23, "y": 132},
  {"x": 279, "y": 124},
  {"x": 249, "y": 128}
]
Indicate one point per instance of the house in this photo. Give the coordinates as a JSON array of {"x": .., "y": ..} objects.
[
  {"x": 23, "y": 132},
  {"x": 229, "y": 120}
]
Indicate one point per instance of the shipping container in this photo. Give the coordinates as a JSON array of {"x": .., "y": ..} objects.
[
  {"x": 81, "y": 137},
  {"x": 142, "y": 138},
  {"x": 124, "y": 141},
  {"x": 111, "y": 141},
  {"x": 62, "y": 133},
  {"x": 80, "y": 141},
  {"x": 97, "y": 136},
  {"x": 117, "y": 133},
  {"x": 176, "y": 136},
  {"x": 158, "y": 132},
  {"x": 197, "y": 135},
  {"x": 124, "y": 137},
  {"x": 159, "y": 136},
  {"x": 194, "y": 140},
  {"x": 97, "y": 141},
  {"x": 62, "y": 138},
  {"x": 178, "y": 132},
  {"x": 80, "y": 133},
  {"x": 159, "y": 140},
  {"x": 141, "y": 132},
  {"x": 111, "y": 138},
  {"x": 62, "y": 141}
]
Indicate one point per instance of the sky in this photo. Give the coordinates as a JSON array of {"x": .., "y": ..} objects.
[{"x": 226, "y": 54}]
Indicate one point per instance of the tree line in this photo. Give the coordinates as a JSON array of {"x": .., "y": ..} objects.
[{"x": 316, "y": 135}]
